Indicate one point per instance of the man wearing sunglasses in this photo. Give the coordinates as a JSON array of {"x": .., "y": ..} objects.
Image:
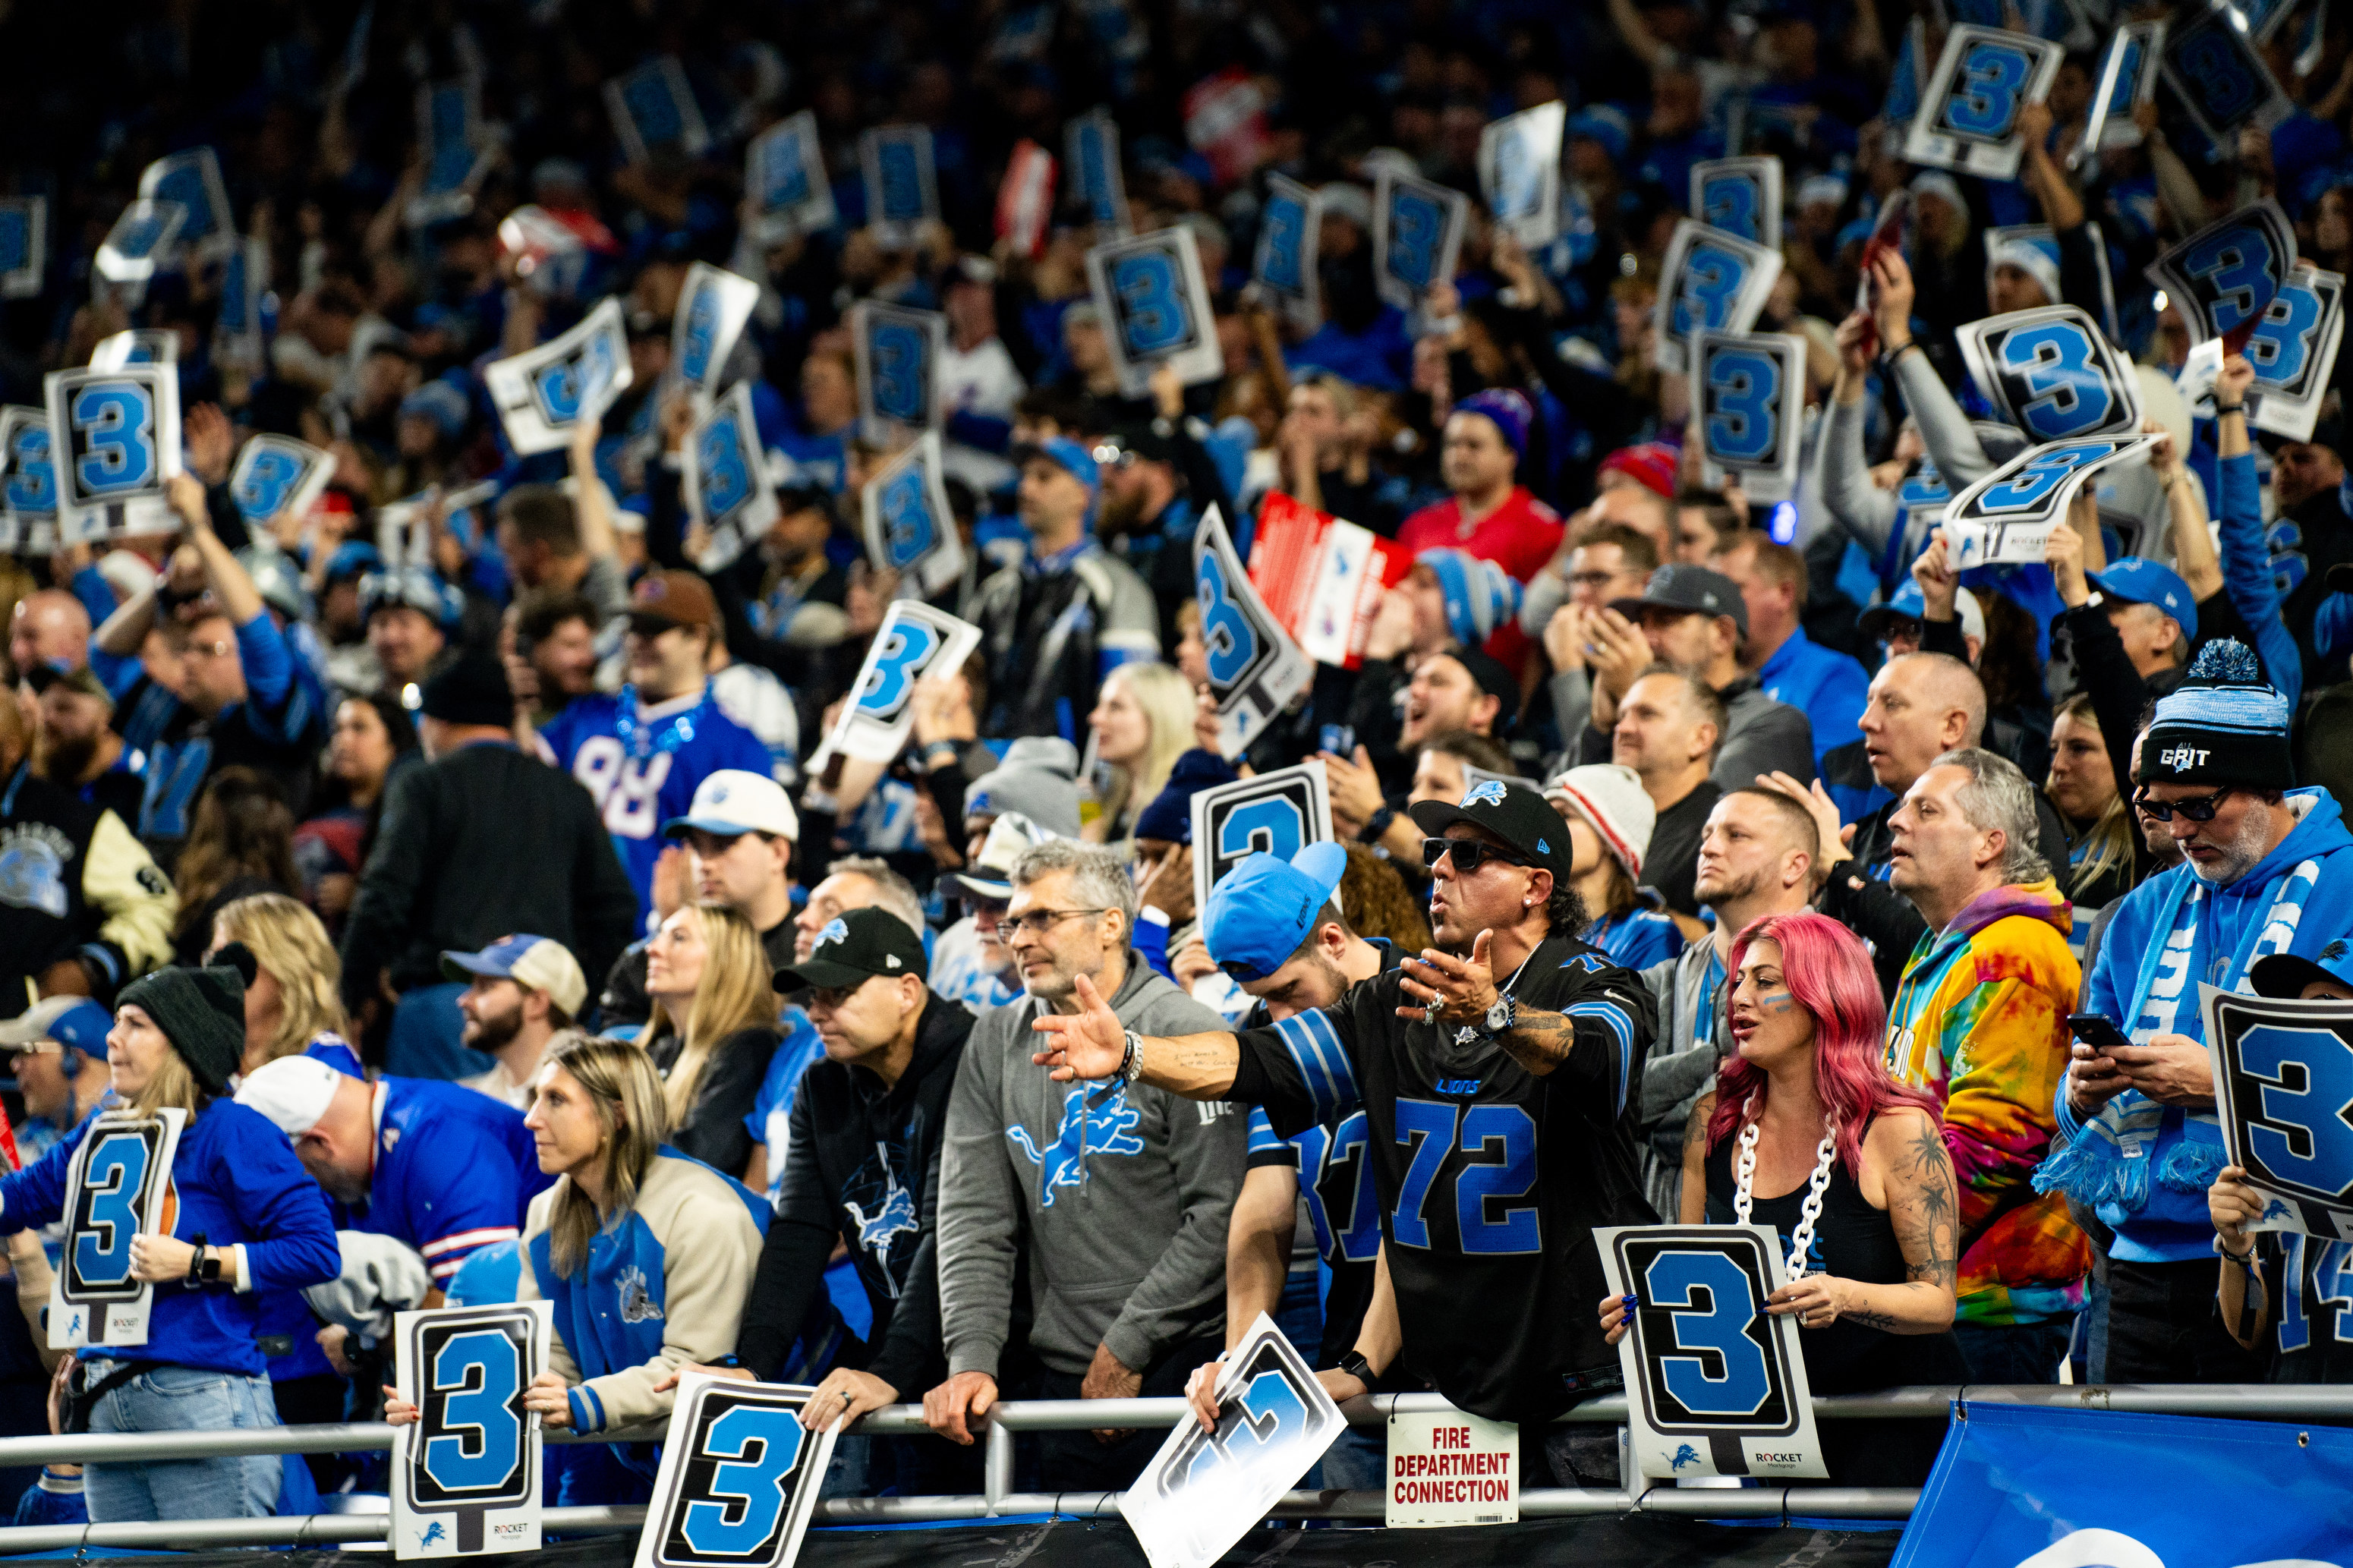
[
  {"x": 1496, "y": 1076},
  {"x": 2267, "y": 867}
]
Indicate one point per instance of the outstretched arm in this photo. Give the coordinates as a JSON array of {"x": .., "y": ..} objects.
[{"x": 1093, "y": 1044}]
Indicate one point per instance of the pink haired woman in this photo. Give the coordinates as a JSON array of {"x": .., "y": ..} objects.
[{"x": 1805, "y": 1117}]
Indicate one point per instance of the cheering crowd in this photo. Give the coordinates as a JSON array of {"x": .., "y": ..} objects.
[{"x": 458, "y": 853}]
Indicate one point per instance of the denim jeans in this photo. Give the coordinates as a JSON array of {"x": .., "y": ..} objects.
[
  {"x": 2015, "y": 1352},
  {"x": 181, "y": 1399}
]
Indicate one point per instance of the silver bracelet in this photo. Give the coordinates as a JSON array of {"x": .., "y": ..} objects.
[{"x": 1130, "y": 1064}]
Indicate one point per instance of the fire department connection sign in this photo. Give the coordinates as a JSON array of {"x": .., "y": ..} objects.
[{"x": 1453, "y": 1467}]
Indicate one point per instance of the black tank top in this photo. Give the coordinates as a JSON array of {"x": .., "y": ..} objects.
[{"x": 1852, "y": 1240}]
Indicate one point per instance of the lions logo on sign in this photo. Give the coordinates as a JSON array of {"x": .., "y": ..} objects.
[{"x": 1490, "y": 790}]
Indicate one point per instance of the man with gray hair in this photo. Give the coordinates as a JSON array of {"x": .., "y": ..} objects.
[
  {"x": 1122, "y": 1190},
  {"x": 1979, "y": 1021},
  {"x": 1920, "y": 705}
]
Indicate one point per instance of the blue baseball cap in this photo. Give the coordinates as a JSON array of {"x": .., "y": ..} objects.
[
  {"x": 1066, "y": 454},
  {"x": 1909, "y": 603},
  {"x": 1263, "y": 909},
  {"x": 1603, "y": 123},
  {"x": 2143, "y": 581},
  {"x": 76, "y": 1023},
  {"x": 540, "y": 963}
]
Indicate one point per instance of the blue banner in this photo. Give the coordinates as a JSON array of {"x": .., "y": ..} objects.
[{"x": 2088, "y": 1488}]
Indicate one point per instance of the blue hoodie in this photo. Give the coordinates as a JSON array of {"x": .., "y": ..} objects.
[{"x": 2144, "y": 1166}]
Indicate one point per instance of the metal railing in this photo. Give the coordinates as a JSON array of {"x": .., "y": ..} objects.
[{"x": 2311, "y": 1405}]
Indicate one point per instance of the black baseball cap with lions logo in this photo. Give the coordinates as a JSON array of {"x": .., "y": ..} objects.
[
  {"x": 1514, "y": 813},
  {"x": 854, "y": 947}
]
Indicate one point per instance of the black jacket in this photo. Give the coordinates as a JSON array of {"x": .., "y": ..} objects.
[
  {"x": 484, "y": 843},
  {"x": 717, "y": 1129},
  {"x": 863, "y": 1165},
  {"x": 74, "y": 884}
]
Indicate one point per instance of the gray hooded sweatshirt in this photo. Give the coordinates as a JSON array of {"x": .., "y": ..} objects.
[{"x": 1126, "y": 1203}]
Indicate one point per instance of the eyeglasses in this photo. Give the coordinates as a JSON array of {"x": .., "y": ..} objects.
[
  {"x": 1038, "y": 923},
  {"x": 2200, "y": 810},
  {"x": 1470, "y": 854}
]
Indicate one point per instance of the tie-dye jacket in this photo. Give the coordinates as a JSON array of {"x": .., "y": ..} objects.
[{"x": 1979, "y": 1021}]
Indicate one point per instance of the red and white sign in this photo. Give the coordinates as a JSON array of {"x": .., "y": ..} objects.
[
  {"x": 1451, "y": 1468},
  {"x": 1025, "y": 202},
  {"x": 1323, "y": 578},
  {"x": 1225, "y": 120}
]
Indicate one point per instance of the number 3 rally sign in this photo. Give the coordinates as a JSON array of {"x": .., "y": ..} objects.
[
  {"x": 1154, "y": 301},
  {"x": 1715, "y": 1386},
  {"x": 115, "y": 434},
  {"x": 1279, "y": 813},
  {"x": 914, "y": 641},
  {"x": 118, "y": 1186},
  {"x": 1203, "y": 1490},
  {"x": 1968, "y": 119},
  {"x": 2282, "y": 1084},
  {"x": 1751, "y": 389},
  {"x": 1255, "y": 669},
  {"x": 739, "y": 1478},
  {"x": 465, "y": 1473},
  {"x": 2052, "y": 373},
  {"x": 2008, "y": 515}
]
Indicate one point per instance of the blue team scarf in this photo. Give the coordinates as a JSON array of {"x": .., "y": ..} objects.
[{"x": 2110, "y": 1161}]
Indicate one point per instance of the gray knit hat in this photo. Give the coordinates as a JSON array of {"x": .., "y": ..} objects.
[
  {"x": 1038, "y": 778},
  {"x": 201, "y": 1012}
]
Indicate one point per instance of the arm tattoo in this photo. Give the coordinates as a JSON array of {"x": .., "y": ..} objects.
[
  {"x": 1696, "y": 1130},
  {"x": 1925, "y": 1227},
  {"x": 1880, "y": 1320},
  {"x": 1540, "y": 1041}
]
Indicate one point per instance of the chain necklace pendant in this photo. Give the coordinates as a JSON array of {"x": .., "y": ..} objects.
[
  {"x": 1801, "y": 1239},
  {"x": 637, "y": 741}
]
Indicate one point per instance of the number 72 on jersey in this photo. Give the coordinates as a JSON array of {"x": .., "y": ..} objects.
[{"x": 1713, "y": 1385}]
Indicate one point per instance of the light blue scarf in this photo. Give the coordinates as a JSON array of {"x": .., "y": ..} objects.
[{"x": 2111, "y": 1162}]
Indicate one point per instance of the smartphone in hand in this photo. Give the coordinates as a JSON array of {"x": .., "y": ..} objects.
[{"x": 2097, "y": 1031}]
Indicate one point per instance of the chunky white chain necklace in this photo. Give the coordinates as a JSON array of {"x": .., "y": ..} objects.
[{"x": 1802, "y": 1240}]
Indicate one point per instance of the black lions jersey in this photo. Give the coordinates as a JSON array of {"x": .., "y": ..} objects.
[{"x": 1490, "y": 1179}]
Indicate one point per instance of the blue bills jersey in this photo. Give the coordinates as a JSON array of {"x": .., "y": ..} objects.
[
  {"x": 643, "y": 773},
  {"x": 455, "y": 1170}
]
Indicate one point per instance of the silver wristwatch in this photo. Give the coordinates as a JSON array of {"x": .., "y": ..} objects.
[{"x": 1500, "y": 1016}]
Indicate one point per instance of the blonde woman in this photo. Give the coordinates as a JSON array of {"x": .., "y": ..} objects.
[
  {"x": 1142, "y": 721},
  {"x": 712, "y": 1030},
  {"x": 2103, "y": 845},
  {"x": 294, "y": 1004},
  {"x": 647, "y": 1256},
  {"x": 248, "y": 1219}
]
